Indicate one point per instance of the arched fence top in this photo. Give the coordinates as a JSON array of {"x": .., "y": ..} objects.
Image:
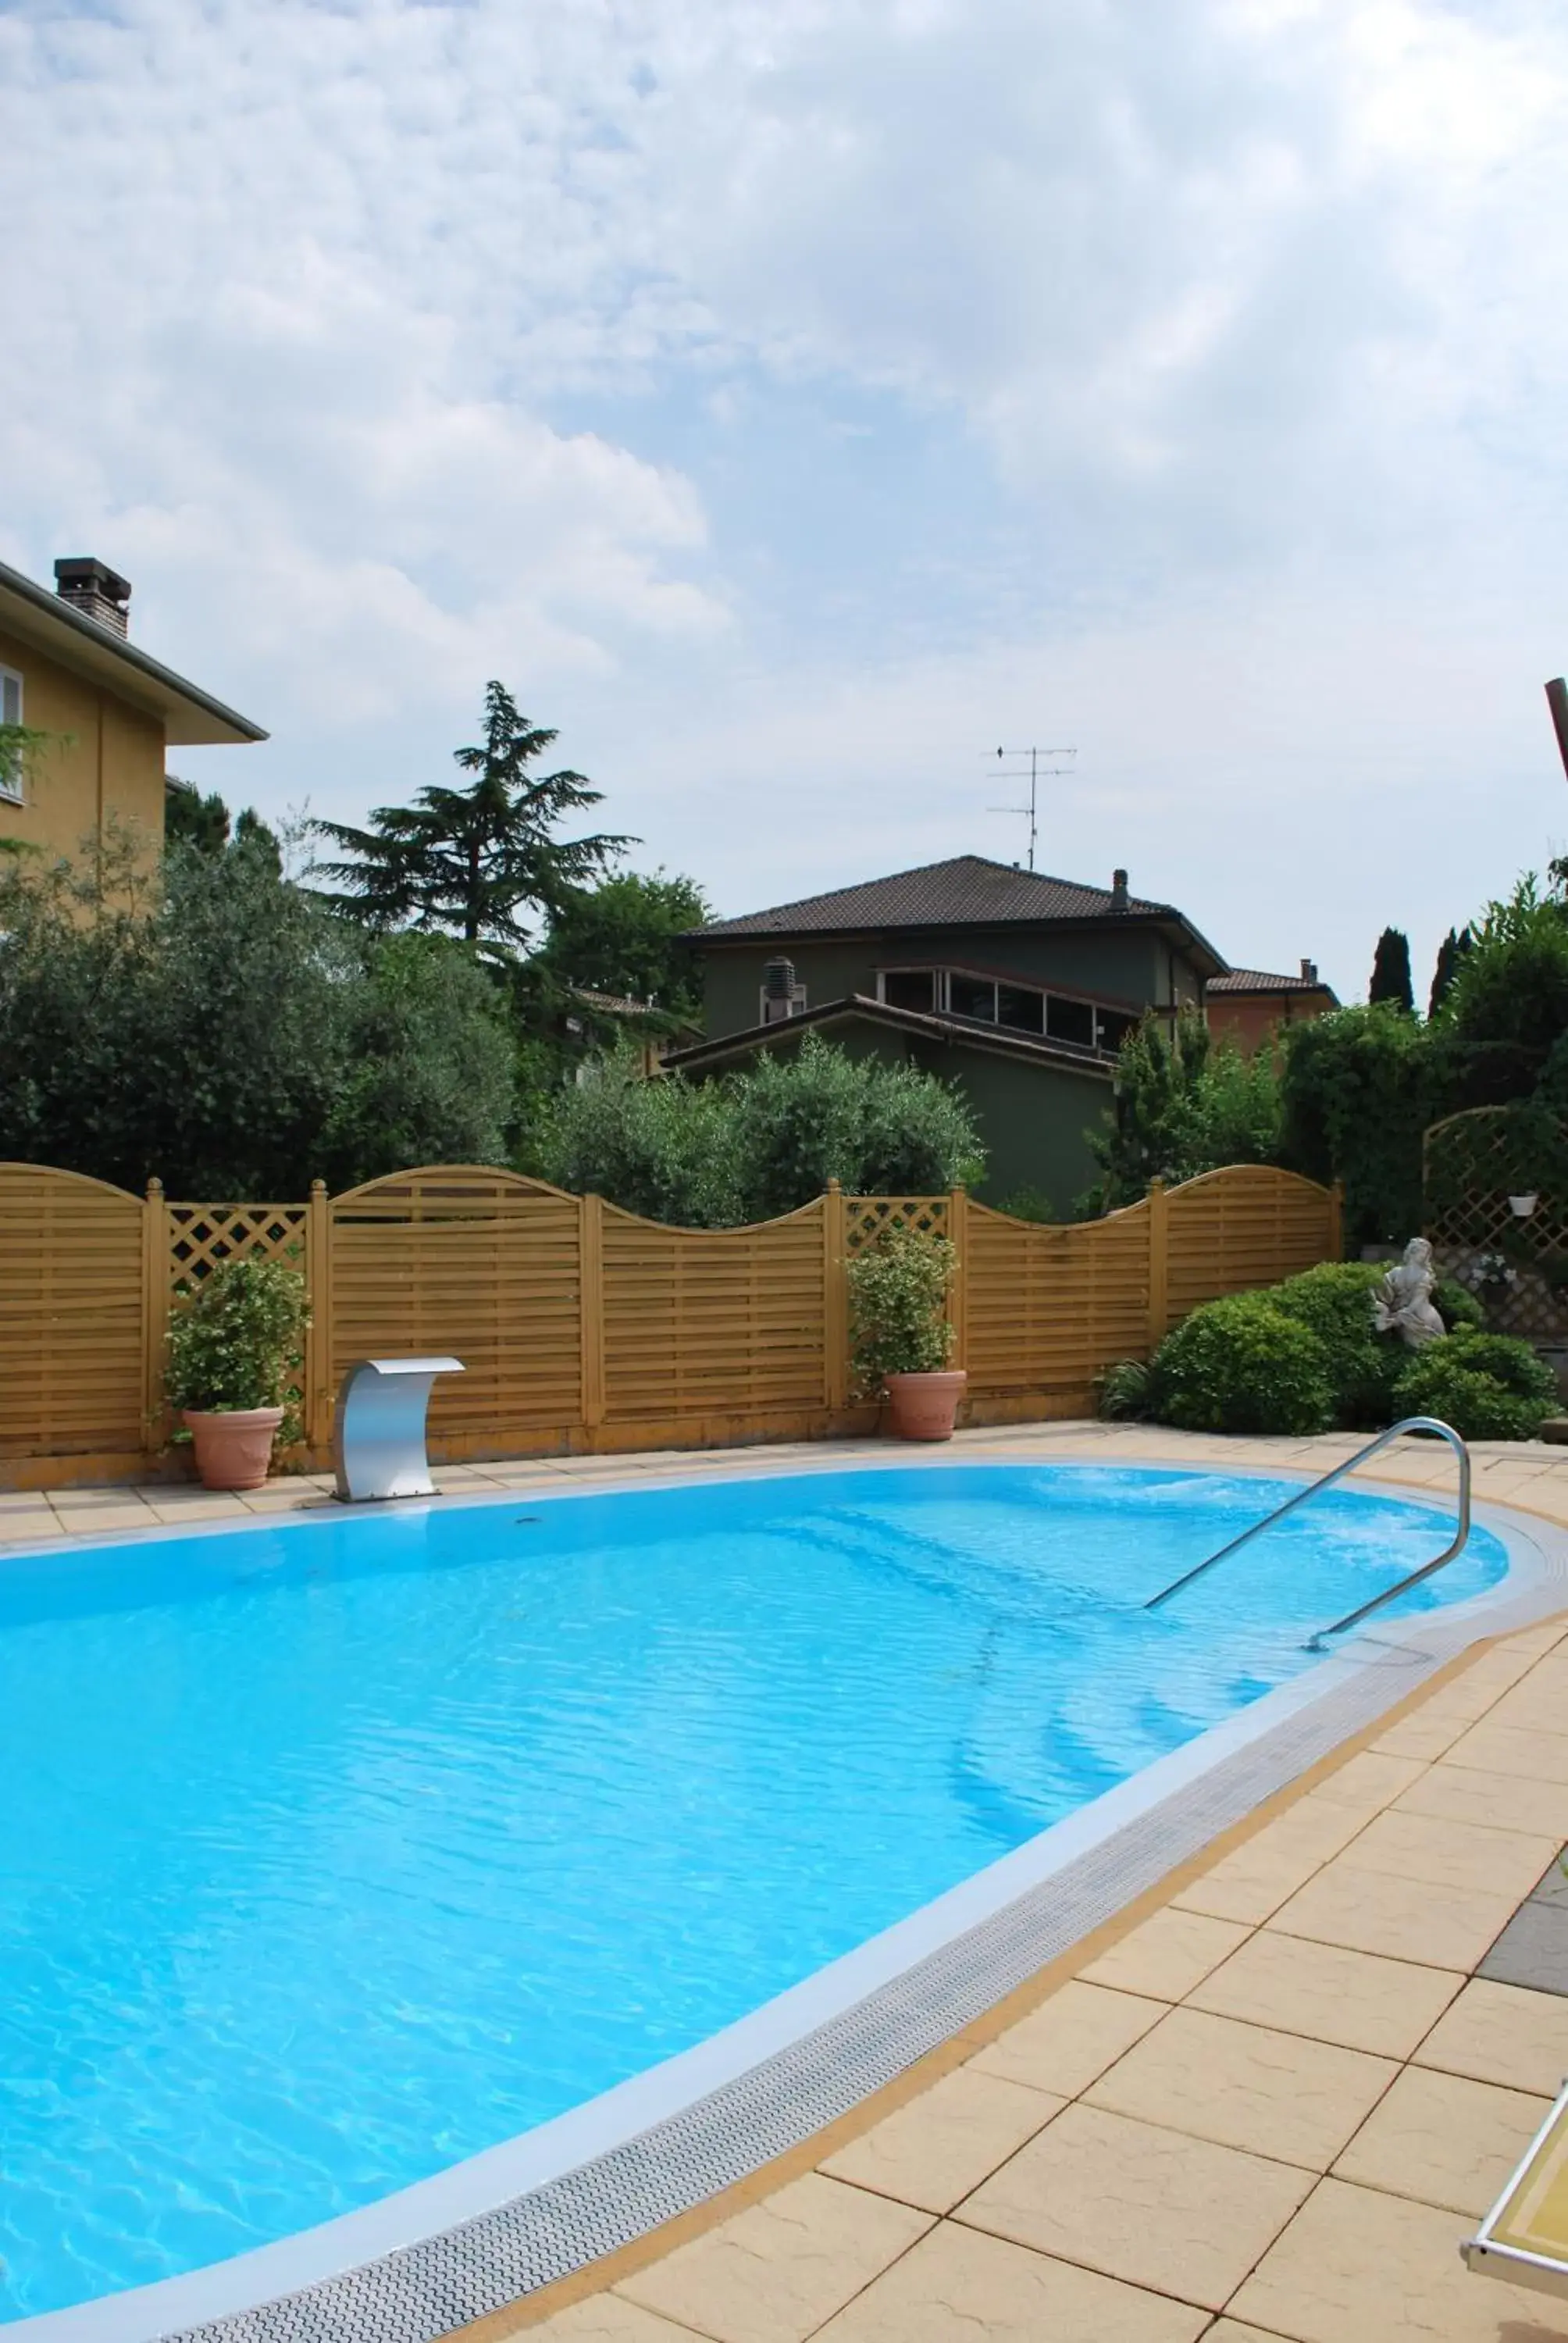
[
  {"x": 42, "y": 1177},
  {"x": 449, "y": 1184}
]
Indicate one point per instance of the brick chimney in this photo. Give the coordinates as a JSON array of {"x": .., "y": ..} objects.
[
  {"x": 1309, "y": 972},
  {"x": 1118, "y": 890},
  {"x": 94, "y": 590}
]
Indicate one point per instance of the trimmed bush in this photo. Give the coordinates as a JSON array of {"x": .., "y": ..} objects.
[
  {"x": 1457, "y": 1306},
  {"x": 1335, "y": 1301},
  {"x": 1241, "y": 1365},
  {"x": 1487, "y": 1386}
]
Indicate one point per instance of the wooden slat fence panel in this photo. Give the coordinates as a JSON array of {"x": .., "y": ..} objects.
[
  {"x": 579, "y": 1323},
  {"x": 1049, "y": 1308},
  {"x": 72, "y": 1356},
  {"x": 480, "y": 1264},
  {"x": 722, "y": 1321},
  {"x": 1246, "y": 1226}
]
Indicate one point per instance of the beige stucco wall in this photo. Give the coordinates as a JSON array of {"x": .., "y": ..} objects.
[{"x": 104, "y": 758}]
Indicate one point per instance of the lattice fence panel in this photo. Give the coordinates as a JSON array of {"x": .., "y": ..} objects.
[
  {"x": 202, "y": 1235},
  {"x": 476, "y": 1262},
  {"x": 866, "y": 1217},
  {"x": 712, "y": 1323},
  {"x": 1495, "y": 1183},
  {"x": 71, "y": 1351}
]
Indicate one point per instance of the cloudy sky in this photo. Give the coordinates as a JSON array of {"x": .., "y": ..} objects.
[{"x": 793, "y": 399}]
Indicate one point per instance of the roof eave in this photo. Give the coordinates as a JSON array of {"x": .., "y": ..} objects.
[
  {"x": 1018, "y": 1048},
  {"x": 191, "y": 717}
]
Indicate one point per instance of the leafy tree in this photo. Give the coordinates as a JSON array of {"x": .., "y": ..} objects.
[
  {"x": 665, "y": 1148},
  {"x": 481, "y": 862},
  {"x": 624, "y": 937},
  {"x": 203, "y": 822},
  {"x": 749, "y": 1146},
  {"x": 1357, "y": 1092},
  {"x": 1450, "y": 952},
  {"x": 192, "y": 820},
  {"x": 223, "y": 1031},
  {"x": 1507, "y": 1008},
  {"x": 814, "y": 1114},
  {"x": 1390, "y": 979},
  {"x": 429, "y": 1070},
  {"x": 1183, "y": 1106}
]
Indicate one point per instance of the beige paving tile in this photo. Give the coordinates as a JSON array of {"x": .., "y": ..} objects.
[
  {"x": 775, "y": 2272},
  {"x": 1407, "y": 1919},
  {"x": 1230, "y": 2330},
  {"x": 959, "y": 2285},
  {"x": 105, "y": 1521},
  {"x": 1419, "y": 1735},
  {"x": 1154, "y": 2207},
  {"x": 1494, "y": 1748},
  {"x": 18, "y": 1526},
  {"x": 1533, "y": 1706},
  {"x": 1452, "y": 1854},
  {"x": 211, "y": 1505},
  {"x": 1443, "y": 2139},
  {"x": 1247, "y": 2087},
  {"x": 1497, "y": 1801},
  {"x": 1328, "y": 1993},
  {"x": 604, "y": 2319},
  {"x": 1168, "y": 1955},
  {"x": 940, "y": 2146},
  {"x": 1368, "y": 1782},
  {"x": 1503, "y": 2034},
  {"x": 1358, "y": 2266},
  {"x": 1265, "y": 1870},
  {"x": 1070, "y": 2039}
]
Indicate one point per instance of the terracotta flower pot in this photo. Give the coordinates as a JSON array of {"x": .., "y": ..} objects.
[
  {"x": 233, "y": 1445},
  {"x": 923, "y": 1406}
]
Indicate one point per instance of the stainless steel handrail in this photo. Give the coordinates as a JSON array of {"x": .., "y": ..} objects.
[{"x": 1326, "y": 1481}]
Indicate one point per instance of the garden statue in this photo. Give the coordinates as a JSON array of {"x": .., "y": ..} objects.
[{"x": 1403, "y": 1303}]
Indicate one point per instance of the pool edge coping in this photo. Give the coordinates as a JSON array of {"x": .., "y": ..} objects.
[{"x": 863, "y": 2010}]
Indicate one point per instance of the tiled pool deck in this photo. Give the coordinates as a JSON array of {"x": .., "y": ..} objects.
[{"x": 1267, "y": 2103}]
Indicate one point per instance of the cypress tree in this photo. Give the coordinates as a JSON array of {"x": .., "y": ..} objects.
[
  {"x": 1450, "y": 952},
  {"x": 1390, "y": 970}
]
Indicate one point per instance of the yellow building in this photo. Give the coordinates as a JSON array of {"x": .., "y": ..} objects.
[{"x": 69, "y": 671}]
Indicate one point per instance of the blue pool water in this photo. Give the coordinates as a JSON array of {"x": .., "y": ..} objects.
[{"x": 337, "y": 1850}]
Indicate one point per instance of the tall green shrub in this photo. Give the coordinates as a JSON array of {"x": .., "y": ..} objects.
[
  {"x": 1356, "y": 1095},
  {"x": 1182, "y": 1105}
]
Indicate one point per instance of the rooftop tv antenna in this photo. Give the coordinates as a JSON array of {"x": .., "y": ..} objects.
[{"x": 1031, "y": 771}]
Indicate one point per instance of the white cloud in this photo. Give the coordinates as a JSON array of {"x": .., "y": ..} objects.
[{"x": 389, "y": 346}]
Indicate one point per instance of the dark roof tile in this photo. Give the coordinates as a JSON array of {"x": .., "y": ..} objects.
[{"x": 967, "y": 891}]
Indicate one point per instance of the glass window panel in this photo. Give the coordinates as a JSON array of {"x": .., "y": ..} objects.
[
  {"x": 1114, "y": 1028},
  {"x": 972, "y": 996},
  {"x": 909, "y": 988},
  {"x": 1070, "y": 1021},
  {"x": 1020, "y": 1007}
]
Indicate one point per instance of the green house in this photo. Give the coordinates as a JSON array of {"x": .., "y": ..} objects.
[{"x": 1017, "y": 987}]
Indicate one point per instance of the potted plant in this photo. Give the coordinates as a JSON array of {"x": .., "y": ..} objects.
[
  {"x": 235, "y": 1346},
  {"x": 899, "y": 1336}
]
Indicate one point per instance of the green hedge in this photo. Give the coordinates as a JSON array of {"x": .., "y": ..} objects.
[{"x": 1305, "y": 1356}]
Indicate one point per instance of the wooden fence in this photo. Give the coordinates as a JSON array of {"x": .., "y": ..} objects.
[{"x": 584, "y": 1328}]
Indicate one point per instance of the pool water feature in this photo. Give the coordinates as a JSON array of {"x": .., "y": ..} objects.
[{"x": 339, "y": 1849}]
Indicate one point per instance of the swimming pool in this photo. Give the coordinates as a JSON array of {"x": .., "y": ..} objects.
[{"x": 340, "y": 1850}]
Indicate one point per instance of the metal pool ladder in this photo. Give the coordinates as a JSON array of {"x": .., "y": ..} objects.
[{"x": 1327, "y": 1480}]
